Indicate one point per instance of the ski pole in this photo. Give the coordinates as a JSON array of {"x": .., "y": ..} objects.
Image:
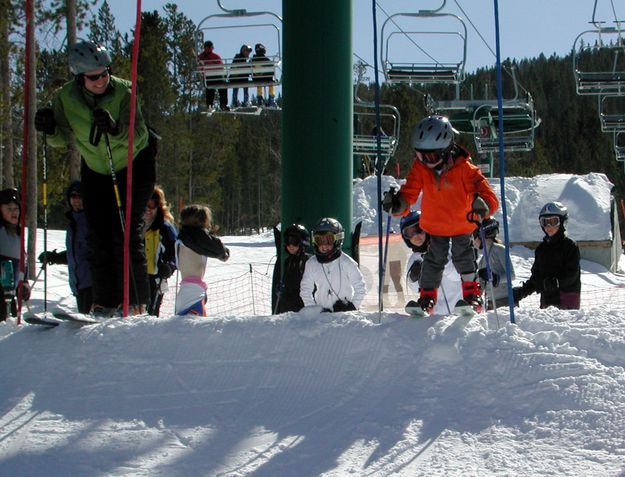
[
  {"x": 489, "y": 272},
  {"x": 383, "y": 271},
  {"x": 119, "y": 206},
  {"x": 44, "y": 193},
  {"x": 445, "y": 298}
]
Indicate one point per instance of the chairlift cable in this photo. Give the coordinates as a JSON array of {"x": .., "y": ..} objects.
[
  {"x": 406, "y": 35},
  {"x": 475, "y": 28}
]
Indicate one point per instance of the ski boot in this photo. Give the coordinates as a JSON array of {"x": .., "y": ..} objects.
[
  {"x": 424, "y": 305},
  {"x": 472, "y": 295}
]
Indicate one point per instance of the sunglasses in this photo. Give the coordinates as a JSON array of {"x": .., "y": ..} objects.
[
  {"x": 97, "y": 76},
  {"x": 553, "y": 221},
  {"x": 411, "y": 231}
]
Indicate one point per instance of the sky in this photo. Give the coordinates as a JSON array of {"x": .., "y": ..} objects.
[
  {"x": 527, "y": 28},
  {"x": 319, "y": 394}
]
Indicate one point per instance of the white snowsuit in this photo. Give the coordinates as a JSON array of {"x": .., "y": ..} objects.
[
  {"x": 450, "y": 290},
  {"x": 339, "y": 279}
]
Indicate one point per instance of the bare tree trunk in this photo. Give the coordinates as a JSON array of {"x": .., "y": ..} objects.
[
  {"x": 74, "y": 155},
  {"x": 6, "y": 120}
]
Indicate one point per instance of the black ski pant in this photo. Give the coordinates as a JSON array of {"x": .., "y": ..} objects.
[{"x": 105, "y": 236}]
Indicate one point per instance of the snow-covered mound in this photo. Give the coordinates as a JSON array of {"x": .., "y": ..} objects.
[{"x": 317, "y": 394}]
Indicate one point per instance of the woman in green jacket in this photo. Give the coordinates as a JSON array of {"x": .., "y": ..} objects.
[{"x": 95, "y": 107}]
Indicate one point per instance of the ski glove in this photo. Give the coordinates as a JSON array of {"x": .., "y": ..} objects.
[
  {"x": 551, "y": 284},
  {"x": 517, "y": 295},
  {"x": 415, "y": 271},
  {"x": 341, "y": 305},
  {"x": 51, "y": 257},
  {"x": 25, "y": 291},
  {"x": 393, "y": 202},
  {"x": 165, "y": 271},
  {"x": 484, "y": 276},
  {"x": 479, "y": 208},
  {"x": 105, "y": 122},
  {"x": 44, "y": 121}
]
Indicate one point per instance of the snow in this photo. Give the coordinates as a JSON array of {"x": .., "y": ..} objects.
[{"x": 312, "y": 394}]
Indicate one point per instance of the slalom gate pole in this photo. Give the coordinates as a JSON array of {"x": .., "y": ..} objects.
[
  {"x": 29, "y": 52},
  {"x": 44, "y": 197},
  {"x": 120, "y": 210},
  {"x": 131, "y": 140},
  {"x": 502, "y": 163},
  {"x": 379, "y": 162}
]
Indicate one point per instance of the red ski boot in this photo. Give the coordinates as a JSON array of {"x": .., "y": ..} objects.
[
  {"x": 472, "y": 294},
  {"x": 424, "y": 305}
]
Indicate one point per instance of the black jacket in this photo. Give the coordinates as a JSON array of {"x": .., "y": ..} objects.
[
  {"x": 288, "y": 298},
  {"x": 556, "y": 257}
]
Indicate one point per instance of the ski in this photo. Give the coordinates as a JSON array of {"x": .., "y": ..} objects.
[
  {"x": 43, "y": 320},
  {"x": 415, "y": 311},
  {"x": 464, "y": 309}
]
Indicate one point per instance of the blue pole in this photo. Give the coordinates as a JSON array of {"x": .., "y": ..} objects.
[
  {"x": 379, "y": 165},
  {"x": 502, "y": 165}
]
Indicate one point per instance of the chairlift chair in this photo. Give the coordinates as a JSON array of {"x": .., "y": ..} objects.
[
  {"x": 612, "y": 113},
  {"x": 609, "y": 79},
  {"x": 239, "y": 75},
  {"x": 365, "y": 141},
  {"x": 425, "y": 69},
  {"x": 619, "y": 145}
]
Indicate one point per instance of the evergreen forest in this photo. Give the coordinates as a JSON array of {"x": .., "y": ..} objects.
[{"x": 232, "y": 162}]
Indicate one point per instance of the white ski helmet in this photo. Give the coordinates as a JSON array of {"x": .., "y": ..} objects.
[
  {"x": 434, "y": 133},
  {"x": 87, "y": 56}
]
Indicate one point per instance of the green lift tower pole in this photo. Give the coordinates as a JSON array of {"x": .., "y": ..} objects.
[{"x": 317, "y": 113}]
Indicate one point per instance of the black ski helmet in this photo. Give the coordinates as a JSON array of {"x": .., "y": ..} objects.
[
  {"x": 410, "y": 220},
  {"x": 490, "y": 227},
  {"x": 300, "y": 232},
  {"x": 74, "y": 188},
  {"x": 324, "y": 226},
  {"x": 9, "y": 195}
]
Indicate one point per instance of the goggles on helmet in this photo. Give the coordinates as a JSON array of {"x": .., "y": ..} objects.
[
  {"x": 292, "y": 240},
  {"x": 411, "y": 231},
  {"x": 324, "y": 238},
  {"x": 551, "y": 221}
]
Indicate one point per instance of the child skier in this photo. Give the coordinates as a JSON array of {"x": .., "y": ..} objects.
[
  {"x": 194, "y": 245},
  {"x": 556, "y": 271},
  {"x": 418, "y": 241},
  {"x": 455, "y": 192},
  {"x": 76, "y": 253},
  {"x": 497, "y": 260},
  {"x": 10, "y": 251},
  {"x": 331, "y": 278},
  {"x": 287, "y": 278}
]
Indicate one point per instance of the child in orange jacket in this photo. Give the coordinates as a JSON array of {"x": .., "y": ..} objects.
[{"x": 456, "y": 195}]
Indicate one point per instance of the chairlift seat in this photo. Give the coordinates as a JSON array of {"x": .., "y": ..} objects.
[
  {"x": 600, "y": 82},
  {"x": 239, "y": 75},
  {"x": 364, "y": 144},
  {"x": 612, "y": 122},
  {"x": 424, "y": 73}
]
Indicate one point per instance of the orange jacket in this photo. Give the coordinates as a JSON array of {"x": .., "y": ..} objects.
[{"x": 447, "y": 198}]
